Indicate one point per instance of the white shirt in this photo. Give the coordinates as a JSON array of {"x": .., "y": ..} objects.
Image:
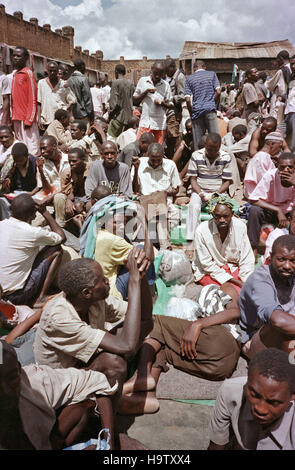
[
  {"x": 52, "y": 99},
  {"x": 7, "y": 83},
  {"x": 98, "y": 98},
  {"x": 153, "y": 116},
  {"x": 150, "y": 179},
  {"x": 19, "y": 246},
  {"x": 126, "y": 138},
  {"x": 5, "y": 153},
  {"x": 51, "y": 174},
  {"x": 212, "y": 254},
  {"x": 62, "y": 338}
]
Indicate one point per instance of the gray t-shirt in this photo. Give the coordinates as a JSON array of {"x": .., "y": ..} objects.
[
  {"x": 258, "y": 299},
  {"x": 131, "y": 150},
  {"x": 117, "y": 179}
]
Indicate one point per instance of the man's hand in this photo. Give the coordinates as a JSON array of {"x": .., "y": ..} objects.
[
  {"x": 189, "y": 340},
  {"x": 288, "y": 178},
  {"x": 40, "y": 163},
  {"x": 135, "y": 162},
  {"x": 69, "y": 210},
  {"x": 150, "y": 90},
  {"x": 6, "y": 185},
  {"x": 283, "y": 221},
  {"x": 40, "y": 206},
  {"x": 137, "y": 263}
]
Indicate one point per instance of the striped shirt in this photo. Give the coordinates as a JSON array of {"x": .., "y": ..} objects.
[
  {"x": 201, "y": 85},
  {"x": 210, "y": 175}
]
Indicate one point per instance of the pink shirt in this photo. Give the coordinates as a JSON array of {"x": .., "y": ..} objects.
[
  {"x": 256, "y": 169},
  {"x": 270, "y": 190}
]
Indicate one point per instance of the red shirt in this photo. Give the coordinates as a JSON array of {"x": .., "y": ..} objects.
[{"x": 24, "y": 96}]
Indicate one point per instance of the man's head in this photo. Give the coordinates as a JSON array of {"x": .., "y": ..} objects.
[
  {"x": 286, "y": 167},
  {"x": 133, "y": 122},
  {"x": 235, "y": 113},
  {"x": 274, "y": 143},
  {"x": 48, "y": 147},
  {"x": 83, "y": 279},
  {"x": 10, "y": 378},
  {"x": 99, "y": 193},
  {"x": 23, "y": 208},
  {"x": 6, "y": 136},
  {"x": 63, "y": 116},
  {"x": 252, "y": 75},
  {"x": 283, "y": 257},
  {"x": 221, "y": 207},
  {"x": 109, "y": 153},
  {"x": 77, "y": 160},
  {"x": 120, "y": 69},
  {"x": 239, "y": 132},
  {"x": 52, "y": 69},
  {"x": 268, "y": 125},
  {"x": 282, "y": 58},
  {"x": 146, "y": 139},
  {"x": 78, "y": 129},
  {"x": 79, "y": 65},
  {"x": 20, "y": 154},
  {"x": 158, "y": 71},
  {"x": 271, "y": 385},
  {"x": 212, "y": 146},
  {"x": 155, "y": 155},
  {"x": 170, "y": 66},
  {"x": 199, "y": 64},
  {"x": 292, "y": 64},
  {"x": 20, "y": 57},
  {"x": 63, "y": 72},
  {"x": 262, "y": 76}
]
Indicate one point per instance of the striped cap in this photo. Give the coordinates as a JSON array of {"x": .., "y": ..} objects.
[{"x": 275, "y": 136}]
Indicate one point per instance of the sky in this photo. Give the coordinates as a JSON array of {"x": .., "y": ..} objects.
[{"x": 156, "y": 28}]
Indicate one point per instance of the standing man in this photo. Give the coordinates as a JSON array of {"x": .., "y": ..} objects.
[
  {"x": 79, "y": 84},
  {"x": 204, "y": 89},
  {"x": 176, "y": 80},
  {"x": 24, "y": 102},
  {"x": 250, "y": 94},
  {"x": 155, "y": 95},
  {"x": 52, "y": 95},
  {"x": 278, "y": 84},
  {"x": 290, "y": 107},
  {"x": 121, "y": 102}
]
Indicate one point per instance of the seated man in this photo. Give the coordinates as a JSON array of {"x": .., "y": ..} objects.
[
  {"x": 113, "y": 247},
  {"x": 109, "y": 172},
  {"x": 235, "y": 119},
  {"x": 71, "y": 201},
  {"x": 138, "y": 148},
  {"x": 153, "y": 174},
  {"x": 128, "y": 136},
  {"x": 207, "y": 348},
  {"x": 50, "y": 165},
  {"x": 72, "y": 331},
  {"x": 257, "y": 412},
  {"x": 267, "y": 301},
  {"x": 81, "y": 140},
  {"x": 276, "y": 233},
  {"x": 26, "y": 272},
  {"x": 257, "y": 141},
  {"x": 31, "y": 401},
  {"x": 7, "y": 141},
  {"x": 273, "y": 198},
  {"x": 22, "y": 176},
  {"x": 236, "y": 143},
  {"x": 264, "y": 160},
  {"x": 209, "y": 172},
  {"x": 222, "y": 248},
  {"x": 59, "y": 129}
]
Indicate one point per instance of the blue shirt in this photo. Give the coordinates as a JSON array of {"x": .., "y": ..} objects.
[
  {"x": 258, "y": 299},
  {"x": 201, "y": 85}
]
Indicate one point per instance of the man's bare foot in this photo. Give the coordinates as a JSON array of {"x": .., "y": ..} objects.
[
  {"x": 139, "y": 384},
  {"x": 139, "y": 403}
]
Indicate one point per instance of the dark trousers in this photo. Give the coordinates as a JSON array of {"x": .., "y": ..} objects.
[
  {"x": 206, "y": 122},
  {"x": 258, "y": 217}
]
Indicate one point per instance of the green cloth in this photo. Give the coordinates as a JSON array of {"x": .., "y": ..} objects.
[{"x": 116, "y": 128}]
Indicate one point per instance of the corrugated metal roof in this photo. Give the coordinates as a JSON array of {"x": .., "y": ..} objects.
[{"x": 249, "y": 50}]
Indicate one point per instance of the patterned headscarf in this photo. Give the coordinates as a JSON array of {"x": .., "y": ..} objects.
[{"x": 220, "y": 199}]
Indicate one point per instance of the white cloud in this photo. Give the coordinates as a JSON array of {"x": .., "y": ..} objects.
[{"x": 134, "y": 28}]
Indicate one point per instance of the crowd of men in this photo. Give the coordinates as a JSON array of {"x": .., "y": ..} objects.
[{"x": 93, "y": 179}]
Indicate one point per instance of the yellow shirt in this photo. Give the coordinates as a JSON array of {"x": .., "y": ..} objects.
[{"x": 110, "y": 253}]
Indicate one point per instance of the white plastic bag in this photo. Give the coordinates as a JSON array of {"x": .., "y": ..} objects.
[
  {"x": 175, "y": 268},
  {"x": 181, "y": 307}
]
